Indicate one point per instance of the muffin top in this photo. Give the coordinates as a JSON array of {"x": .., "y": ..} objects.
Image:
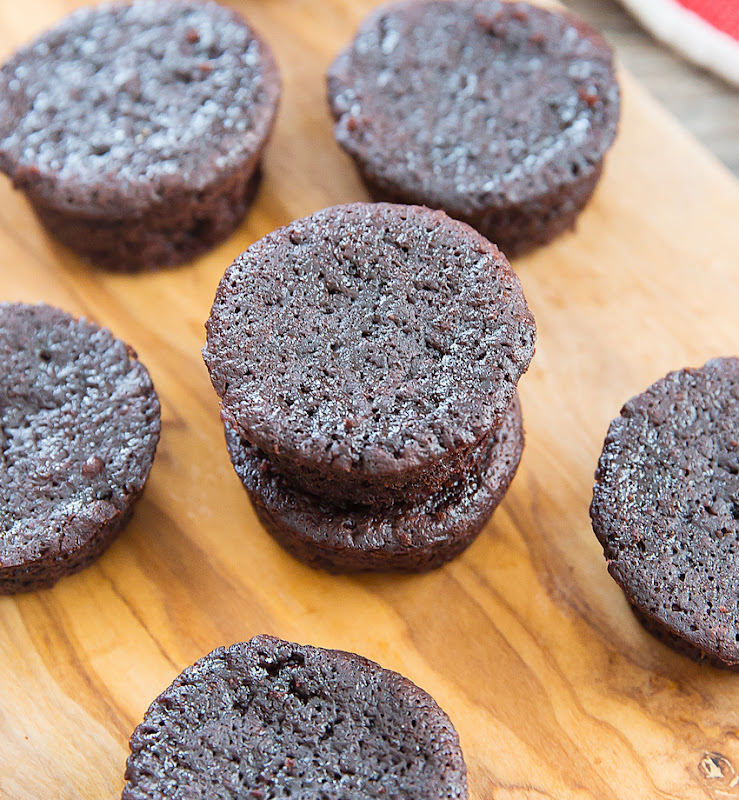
[
  {"x": 270, "y": 719},
  {"x": 666, "y": 504},
  {"x": 368, "y": 339},
  {"x": 79, "y": 424},
  {"x": 126, "y": 104},
  {"x": 474, "y": 104}
]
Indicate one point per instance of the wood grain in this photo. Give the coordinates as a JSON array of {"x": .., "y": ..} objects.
[{"x": 525, "y": 641}]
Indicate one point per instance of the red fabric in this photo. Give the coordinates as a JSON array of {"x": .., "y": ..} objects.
[{"x": 721, "y": 14}]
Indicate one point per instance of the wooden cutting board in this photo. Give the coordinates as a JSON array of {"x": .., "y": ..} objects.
[{"x": 527, "y": 643}]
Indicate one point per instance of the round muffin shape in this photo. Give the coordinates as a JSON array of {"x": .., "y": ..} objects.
[
  {"x": 270, "y": 719},
  {"x": 666, "y": 509},
  {"x": 411, "y": 537},
  {"x": 79, "y": 425},
  {"x": 499, "y": 113},
  {"x": 136, "y": 130},
  {"x": 367, "y": 349}
]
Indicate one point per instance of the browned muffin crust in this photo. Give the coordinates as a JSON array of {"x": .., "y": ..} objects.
[
  {"x": 367, "y": 350},
  {"x": 136, "y": 129},
  {"x": 499, "y": 113},
  {"x": 407, "y": 536},
  {"x": 271, "y": 719},
  {"x": 79, "y": 425},
  {"x": 666, "y": 508}
]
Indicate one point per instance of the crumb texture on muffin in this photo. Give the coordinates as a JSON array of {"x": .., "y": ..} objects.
[
  {"x": 666, "y": 505},
  {"x": 417, "y": 535},
  {"x": 499, "y": 113},
  {"x": 368, "y": 339},
  {"x": 122, "y": 104},
  {"x": 79, "y": 425},
  {"x": 274, "y": 720}
]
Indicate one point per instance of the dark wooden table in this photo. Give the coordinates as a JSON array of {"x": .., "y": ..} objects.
[{"x": 705, "y": 105}]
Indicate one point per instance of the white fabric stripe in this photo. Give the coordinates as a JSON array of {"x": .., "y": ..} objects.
[{"x": 690, "y": 34}]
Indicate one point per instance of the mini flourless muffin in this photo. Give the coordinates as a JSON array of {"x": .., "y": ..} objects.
[
  {"x": 273, "y": 720},
  {"x": 411, "y": 537},
  {"x": 79, "y": 425},
  {"x": 136, "y": 130},
  {"x": 499, "y": 113},
  {"x": 368, "y": 349},
  {"x": 666, "y": 509}
]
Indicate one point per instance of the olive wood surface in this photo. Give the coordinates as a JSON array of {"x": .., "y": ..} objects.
[{"x": 526, "y": 642}]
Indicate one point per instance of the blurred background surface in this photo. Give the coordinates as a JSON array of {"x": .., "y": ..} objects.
[{"x": 704, "y": 104}]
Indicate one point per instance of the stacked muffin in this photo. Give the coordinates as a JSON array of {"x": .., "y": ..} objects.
[{"x": 366, "y": 358}]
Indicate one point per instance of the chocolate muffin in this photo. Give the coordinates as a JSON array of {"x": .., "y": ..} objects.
[
  {"x": 270, "y": 719},
  {"x": 666, "y": 509},
  {"x": 79, "y": 424},
  {"x": 499, "y": 113},
  {"x": 136, "y": 130},
  {"x": 367, "y": 349},
  {"x": 412, "y": 536},
  {"x": 366, "y": 355}
]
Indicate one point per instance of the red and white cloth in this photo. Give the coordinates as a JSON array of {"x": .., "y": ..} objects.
[{"x": 706, "y": 31}]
